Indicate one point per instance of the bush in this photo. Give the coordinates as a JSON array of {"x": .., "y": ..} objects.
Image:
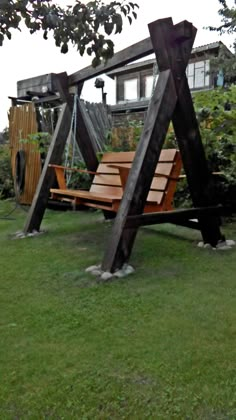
[
  {"x": 78, "y": 180},
  {"x": 6, "y": 180},
  {"x": 216, "y": 114}
]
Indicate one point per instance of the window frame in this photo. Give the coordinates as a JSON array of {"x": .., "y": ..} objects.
[
  {"x": 193, "y": 68},
  {"x": 140, "y": 76}
]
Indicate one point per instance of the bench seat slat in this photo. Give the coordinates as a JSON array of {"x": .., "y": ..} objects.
[
  {"x": 107, "y": 179},
  {"x": 85, "y": 195}
]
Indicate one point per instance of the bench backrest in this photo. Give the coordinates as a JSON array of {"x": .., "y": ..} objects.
[{"x": 108, "y": 181}]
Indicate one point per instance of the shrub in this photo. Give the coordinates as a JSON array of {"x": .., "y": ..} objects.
[
  {"x": 6, "y": 180},
  {"x": 78, "y": 180},
  {"x": 216, "y": 114}
]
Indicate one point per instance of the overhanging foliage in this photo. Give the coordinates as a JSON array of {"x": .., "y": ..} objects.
[{"x": 83, "y": 26}]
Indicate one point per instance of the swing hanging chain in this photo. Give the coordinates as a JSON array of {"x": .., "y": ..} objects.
[{"x": 71, "y": 143}]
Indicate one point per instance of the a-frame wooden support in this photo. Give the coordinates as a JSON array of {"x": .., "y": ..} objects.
[
  {"x": 56, "y": 149},
  {"x": 172, "y": 100}
]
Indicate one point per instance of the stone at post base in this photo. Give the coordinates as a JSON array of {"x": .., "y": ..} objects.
[
  {"x": 96, "y": 270},
  {"x": 23, "y": 235},
  {"x": 221, "y": 245}
]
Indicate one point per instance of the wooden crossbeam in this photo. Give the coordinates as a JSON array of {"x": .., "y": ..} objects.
[
  {"x": 134, "y": 52},
  {"x": 172, "y": 216},
  {"x": 128, "y": 55}
]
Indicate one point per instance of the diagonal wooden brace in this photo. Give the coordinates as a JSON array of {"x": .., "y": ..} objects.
[{"x": 142, "y": 171}]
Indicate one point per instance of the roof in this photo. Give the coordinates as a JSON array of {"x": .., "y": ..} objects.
[{"x": 140, "y": 65}]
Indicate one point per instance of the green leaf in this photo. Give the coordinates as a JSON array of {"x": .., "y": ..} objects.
[
  {"x": 64, "y": 48},
  {"x": 108, "y": 26},
  {"x": 8, "y": 34},
  {"x": 118, "y": 22},
  {"x": 96, "y": 61}
]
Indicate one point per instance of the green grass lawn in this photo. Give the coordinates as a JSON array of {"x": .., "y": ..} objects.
[{"x": 159, "y": 344}]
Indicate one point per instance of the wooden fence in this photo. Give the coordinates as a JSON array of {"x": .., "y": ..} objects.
[
  {"x": 22, "y": 122},
  {"x": 101, "y": 121}
]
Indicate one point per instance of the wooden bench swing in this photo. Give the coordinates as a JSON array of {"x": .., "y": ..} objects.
[
  {"x": 110, "y": 179},
  {"x": 139, "y": 189}
]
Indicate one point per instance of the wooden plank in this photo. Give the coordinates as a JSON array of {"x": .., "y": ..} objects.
[
  {"x": 111, "y": 191},
  {"x": 159, "y": 183},
  {"x": 141, "y": 174},
  {"x": 166, "y": 155},
  {"x": 199, "y": 179},
  {"x": 47, "y": 177},
  {"x": 60, "y": 175},
  {"x": 164, "y": 168},
  {"x": 86, "y": 138},
  {"x": 118, "y": 157},
  {"x": 174, "y": 216},
  {"x": 89, "y": 195},
  {"x": 94, "y": 114},
  {"x": 103, "y": 168},
  {"x": 134, "y": 52},
  {"x": 186, "y": 126},
  {"x": 155, "y": 197},
  {"x": 107, "y": 179},
  {"x": 22, "y": 122}
]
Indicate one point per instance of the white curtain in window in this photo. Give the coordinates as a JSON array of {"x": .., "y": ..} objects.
[
  {"x": 199, "y": 74},
  {"x": 131, "y": 89},
  {"x": 148, "y": 86}
]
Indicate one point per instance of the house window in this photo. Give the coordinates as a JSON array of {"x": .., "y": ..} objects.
[
  {"x": 148, "y": 86},
  {"x": 131, "y": 89},
  {"x": 135, "y": 86},
  {"x": 198, "y": 74}
]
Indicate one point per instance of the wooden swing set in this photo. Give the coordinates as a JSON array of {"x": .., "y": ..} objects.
[{"x": 127, "y": 185}]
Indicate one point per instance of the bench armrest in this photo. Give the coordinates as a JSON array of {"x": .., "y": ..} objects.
[
  {"x": 67, "y": 168},
  {"x": 60, "y": 174},
  {"x": 172, "y": 178}
]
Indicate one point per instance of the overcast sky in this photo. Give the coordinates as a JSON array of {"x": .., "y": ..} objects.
[{"x": 30, "y": 55}]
